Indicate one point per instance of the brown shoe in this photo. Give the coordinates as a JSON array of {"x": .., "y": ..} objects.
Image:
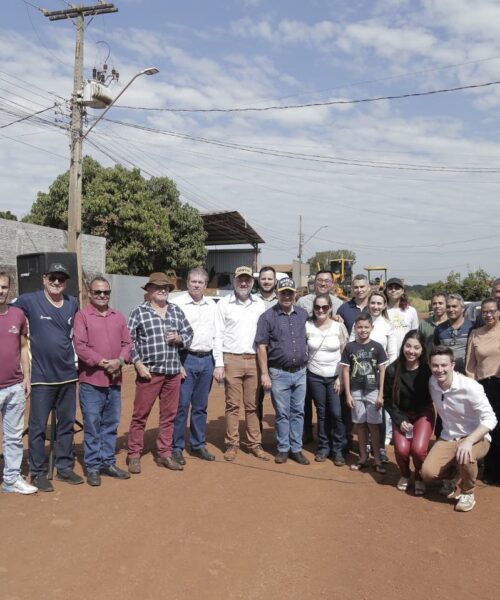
[
  {"x": 230, "y": 453},
  {"x": 134, "y": 465},
  {"x": 169, "y": 463},
  {"x": 259, "y": 453}
]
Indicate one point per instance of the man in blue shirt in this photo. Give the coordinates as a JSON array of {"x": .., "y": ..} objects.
[
  {"x": 352, "y": 308},
  {"x": 50, "y": 313},
  {"x": 282, "y": 354},
  {"x": 454, "y": 333}
]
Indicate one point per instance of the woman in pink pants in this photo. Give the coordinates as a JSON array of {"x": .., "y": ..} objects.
[{"x": 407, "y": 400}]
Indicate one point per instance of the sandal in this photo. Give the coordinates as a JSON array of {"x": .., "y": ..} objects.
[
  {"x": 402, "y": 484},
  {"x": 380, "y": 469},
  {"x": 419, "y": 488},
  {"x": 358, "y": 466}
]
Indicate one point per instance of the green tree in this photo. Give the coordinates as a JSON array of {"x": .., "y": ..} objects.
[
  {"x": 146, "y": 226},
  {"x": 476, "y": 285},
  {"x": 6, "y": 214},
  {"x": 323, "y": 258}
]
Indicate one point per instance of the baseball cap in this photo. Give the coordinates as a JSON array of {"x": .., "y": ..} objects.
[
  {"x": 58, "y": 268},
  {"x": 394, "y": 281},
  {"x": 243, "y": 271},
  {"x": 287, "y": 283}
]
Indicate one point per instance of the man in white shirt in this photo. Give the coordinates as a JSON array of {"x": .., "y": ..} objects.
[
  {"x": 467, "y": 419},
  {"x": 198, "y": 365},
  {"x": 236, "y": 362}
]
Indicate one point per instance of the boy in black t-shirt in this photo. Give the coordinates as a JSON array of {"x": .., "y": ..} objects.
[{"x": 363, "y": 370}]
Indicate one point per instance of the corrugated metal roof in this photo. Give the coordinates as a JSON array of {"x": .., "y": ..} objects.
[{"x": 225, "y": 228}]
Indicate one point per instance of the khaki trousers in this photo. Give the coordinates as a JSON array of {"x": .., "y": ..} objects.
[
  {"x": 441, "y": 464},
  {"x": 241, "y": 380}
]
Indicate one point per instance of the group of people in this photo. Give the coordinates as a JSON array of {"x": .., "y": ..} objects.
[{"x": 366, "y": 364}]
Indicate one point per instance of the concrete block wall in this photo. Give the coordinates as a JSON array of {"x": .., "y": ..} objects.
[{"x": 24, "y": 238}]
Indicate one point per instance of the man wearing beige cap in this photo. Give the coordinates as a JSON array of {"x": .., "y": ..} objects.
[
  {"x": 158, "y": 329},
  {"x": 236, "y": 361}
]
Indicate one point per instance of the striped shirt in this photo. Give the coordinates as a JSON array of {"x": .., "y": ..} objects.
[{"x": 149, "y": 345}]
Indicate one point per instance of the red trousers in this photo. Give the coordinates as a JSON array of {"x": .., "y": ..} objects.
[
  {"x": 415, "y": 447},
  {"x": 166, "y": 388}
]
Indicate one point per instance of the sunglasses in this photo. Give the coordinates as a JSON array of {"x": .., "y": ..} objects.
[
  {"x": 100, "y": 292},
  {"x": 53, "y": 278},
  {"x": 323, "y": 307}
]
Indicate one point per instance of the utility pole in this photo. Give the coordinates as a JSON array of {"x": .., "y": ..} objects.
[
  {"x": 301, "y": 245},
  {"x": 77, "y": 112}
]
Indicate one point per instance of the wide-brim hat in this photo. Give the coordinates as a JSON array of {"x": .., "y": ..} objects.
[
  {"x": 58, "y": 268},
  {"x": 160, "y": 279}
]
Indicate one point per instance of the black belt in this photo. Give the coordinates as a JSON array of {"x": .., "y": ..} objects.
[
  {"x": 288, "y": 369},
  {"x": 200, "y": 354}
]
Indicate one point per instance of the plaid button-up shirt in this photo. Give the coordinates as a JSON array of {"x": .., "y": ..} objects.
[{"x": 147, "y": 330}]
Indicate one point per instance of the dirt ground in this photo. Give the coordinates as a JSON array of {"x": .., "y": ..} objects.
[{"x": 246, "y": 530}]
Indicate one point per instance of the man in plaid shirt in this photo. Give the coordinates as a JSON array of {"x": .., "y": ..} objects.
[{"x": 158, "y": 329}]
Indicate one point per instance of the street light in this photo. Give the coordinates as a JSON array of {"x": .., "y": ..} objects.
[
  {"x": 75, "y": 171},
  {"x": 302, "y": 244},
  {"x": 316, "y": 232}
]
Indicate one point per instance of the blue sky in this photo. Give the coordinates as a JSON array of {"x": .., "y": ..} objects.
[{"x": 397, "y": 180}]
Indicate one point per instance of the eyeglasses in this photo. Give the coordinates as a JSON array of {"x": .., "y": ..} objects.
[
  {"x": 323, "y": 307},
  {"x": 101, "y": 292},
  {"x": 489, "y": 312},
  {"x": 53, "y": 278},
  {"x": 327, "y": 281}
]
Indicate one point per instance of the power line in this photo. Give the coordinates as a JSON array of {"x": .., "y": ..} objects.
[
  {"x": 315, "y": 104},
  {"x": 391, "y": 77},
  {"x": 313, "y": 157},
  {"x": 28, "y": 117}
]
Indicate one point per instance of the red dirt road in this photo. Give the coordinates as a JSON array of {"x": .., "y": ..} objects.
[{"x": 247, "y": 530}]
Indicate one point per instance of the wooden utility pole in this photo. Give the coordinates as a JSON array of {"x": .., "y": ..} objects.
[
  {"x": 77, "y": 112},
  {"x": 301, "y": 246}
]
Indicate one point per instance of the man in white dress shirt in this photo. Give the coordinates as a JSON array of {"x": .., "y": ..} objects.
[
  {"x": 467, "y": 419},
  {"x": 236, "y": 362},
  {"x": 198, "y": 364}
]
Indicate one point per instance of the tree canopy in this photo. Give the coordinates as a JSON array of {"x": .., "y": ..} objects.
[
  {"x": 6, "y": 214},
  {"x": 322, "y": 258},
  {"x": 147, "y": 228},
  {"x": 474, "y": 286}
]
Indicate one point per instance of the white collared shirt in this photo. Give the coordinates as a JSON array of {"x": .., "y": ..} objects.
[
  {"x": 201, "y": 317},
  {"x": 236, "y": 326},
  {"x": 462, "y": 407}
]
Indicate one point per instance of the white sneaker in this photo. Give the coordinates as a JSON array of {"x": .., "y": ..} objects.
[
  {"x": 402, "y": 484},
  {"x": 465, "y": 503},
  {"x": 20, "y": 486}
]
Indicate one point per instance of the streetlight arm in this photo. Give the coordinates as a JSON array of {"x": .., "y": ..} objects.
[
  {"x": 317, "y": 231},
  {"x": 150, "y": 71}
]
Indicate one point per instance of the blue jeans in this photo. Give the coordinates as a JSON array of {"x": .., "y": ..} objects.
[
  {"x": 12, "y": 403},
  {"x": 62, "y": 397},
  {"x": 101, "y": 408},
  {"x": 194, "y": 391},
  {"x": 332, "y": 436},
  {"x": 288, "y": 393}
]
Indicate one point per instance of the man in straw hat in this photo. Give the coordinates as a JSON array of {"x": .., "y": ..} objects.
[{"x": 158, "y": 330}]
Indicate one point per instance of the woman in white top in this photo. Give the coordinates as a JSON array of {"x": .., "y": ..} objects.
[
  {"x": 403, "y": 317},
  {"x": 383, "y": 332},
  {"x": 326, "y": 339}
]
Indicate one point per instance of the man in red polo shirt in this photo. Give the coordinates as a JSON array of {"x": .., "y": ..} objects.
[{"x": 102, "y": 343}]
